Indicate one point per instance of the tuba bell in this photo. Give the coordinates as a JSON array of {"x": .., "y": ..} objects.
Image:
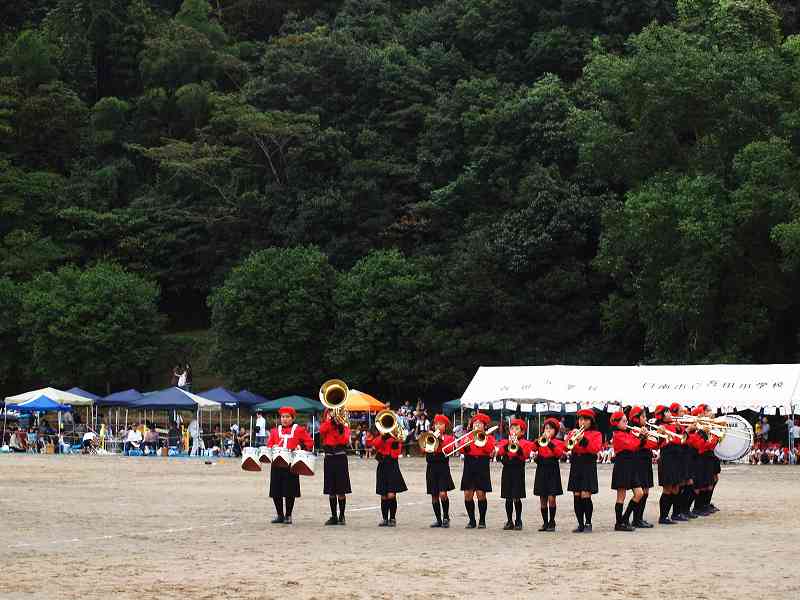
[
  {"x": 333, "y": 395},
  {"x": 386, "y": 421}
]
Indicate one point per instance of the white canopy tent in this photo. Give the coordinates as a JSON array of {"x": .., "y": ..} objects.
[
  {"x": 773, "y": 388},
  {"x": 53, "y": 394}
]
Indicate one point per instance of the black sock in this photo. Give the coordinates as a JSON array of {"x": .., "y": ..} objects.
[
  {"x": 470, "y": 506},
  {"x": 393, "y": 507},
  {"x": 577, "y": 502},
  {"x": 332, "y": 502},
  {"x": 618, "y": 512},
  {"x": 639, "y": 516},
  {"x": 385, "y": 509},
  {"x": 342, "y": 504},
  {"x": 278, "y": 505},
  {"x": 688, "y": 498},
  {"x": 437, "y": 510},
  {"x": 446, "y": 508},
  {"x": 482, "y": 506},
  {"x": 509, "y": 509},
  {"x": 544, "y": 514},
  {"x": 663, "y": 506},
  {"x": 518, "y": 509},
  {"x": 706, "y": 499},
  {"x": 711, "y": 493},
  {"x": 588, "y": 509},
  {"x": 289, "y": 506},
  {"x": 552, "y": 514},
  {"x": 677, "y": 503},
  {"x": 632, "y": 506}
]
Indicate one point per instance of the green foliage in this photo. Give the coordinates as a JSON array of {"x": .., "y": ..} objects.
[
  {"x": 31, "y": 60},
  {"x": 12, "y": 353}
]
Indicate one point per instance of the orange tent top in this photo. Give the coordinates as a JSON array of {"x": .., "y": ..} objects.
[{"x": 361, "y": 402}]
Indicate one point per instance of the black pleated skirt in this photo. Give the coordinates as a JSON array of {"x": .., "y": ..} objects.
[
  {"x": 438, "y": 478},
  {"x": 336, "y": 475},
  {"x": 672, "y": 466},
  {"x": 547, "y": 481},
  {"x": 512, "y": 480},
  {"x": 476, "y": 475},
  {"x": 388, "y": 478},
  {"x": 691, "y": 462},
  {"x": 645, "y": 458},
  {"x": 283, "y": 483},
  {"x": 626, "y": 474},
  {"x": 717, "y": 464},
  {"x": 704, "y": 470},
  {"x": 583, "y": 473}
]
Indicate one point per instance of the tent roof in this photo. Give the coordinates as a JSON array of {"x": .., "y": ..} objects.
[
  {"x": 123, "y": 398},
  {"x": 173, "y": 398},
  {"x": 248, "y": 398},
  {"x": 79, "y": 392},
  {"x": 451, "y": 406},
  {"x": 299, "y": 403},
  {"x": 53, "y": 394},
  {"x": 221, "y": 395},
  {"x": 41, "y": 404},
  {"x": 361, "y": 402}
]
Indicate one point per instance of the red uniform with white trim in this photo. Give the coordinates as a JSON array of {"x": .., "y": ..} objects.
[
  {"x": 591, "y": 443},
  {"x": 292, "y": 437}
]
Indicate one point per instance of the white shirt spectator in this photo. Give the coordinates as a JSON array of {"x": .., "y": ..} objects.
[
  {"x": 193, "y": 428},
  {"x": 182, "y": 380},
  {"x": 89, "y": 436},
  {"x": 133, "y": 436},
  {"x": 261, "y": 427},
  {"x": 796, "y": 431}
]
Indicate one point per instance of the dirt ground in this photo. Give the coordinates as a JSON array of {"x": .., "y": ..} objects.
[{"x": 113, "y": 527}]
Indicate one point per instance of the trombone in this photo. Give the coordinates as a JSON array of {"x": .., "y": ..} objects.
[
  {"x": 471, "y": 437},
  {"x": 333, "y": 395},
  {"x": 653, "y": 432},
  {"x": 575, "y": 437}
]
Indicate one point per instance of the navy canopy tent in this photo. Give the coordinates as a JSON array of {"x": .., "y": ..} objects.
[
  {"x": 170, "y": 398},
  {"x": 248, "y": 398},
  {"x": 79, "y": 392},
  {"x": 223, "y": 396},
  {"x": 125, "y": 398}
]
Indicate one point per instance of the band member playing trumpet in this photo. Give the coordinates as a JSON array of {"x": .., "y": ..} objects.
[
  {"x": 476, "y": 478},
  {"x": 672, "y": 469},
  {"x": 644, "y": 461},
  {"x": 438, "y": 479},
  {"x": 388, "y": 479},
  {"x": 585, "y": 443},
  {"x": 625, "y": 475},
  {"x": 547, "y": 483},
  {"x": 283, "y": 484},
  {"x": 704, "y": 473},
  {"x": 334, "y": 436},
  {"x": 513, "y": 453}
]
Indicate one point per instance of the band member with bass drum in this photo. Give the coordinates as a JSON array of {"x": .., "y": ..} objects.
[
  {"x": 584, "y": 443},
  {"x": 283, "y": 484},
  {"x": 388, "y": 479},
  {"x": 438, "y": 479},
  {"x": 547, "y": 483},
  {"x": 335, "y": 436},
  {"x": 476, "y": 479},
  {"x": 513, "y": 453}
]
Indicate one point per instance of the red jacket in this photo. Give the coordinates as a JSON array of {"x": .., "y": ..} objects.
[
  {"x": 525, "y": 449},
  {"x": 702, "y": 444},
  {"x": 555, "y": 449},
  {"x": 673, "y": 441},
  {"x": 329, "y": 434},
  {"x": 388, "y": 447},
  {"x": 300, "y": 437},
  {"x": 591, "y": 443},
  {"x": 624, "y": 441},
  {"x": 445, "y": 440},
  {"x": 473, "y": 450}
]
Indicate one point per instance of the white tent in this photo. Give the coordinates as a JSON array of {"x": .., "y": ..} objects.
[
  {"x": 53, "y": 394},
  {"x": 728, "y": 387},
  {"x": 203, "y": 402}
]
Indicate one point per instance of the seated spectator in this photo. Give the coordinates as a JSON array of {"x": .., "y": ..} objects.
[
  {"x": 133, "y": 439},
  {"x": 19, "y": 441},
  {"x": 173, "y": 435},
  {"x": 151, "y": 441},
  {"x": 90, "y": 442}
]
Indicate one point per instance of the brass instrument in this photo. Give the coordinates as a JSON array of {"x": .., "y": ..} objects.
[
  {"x": 513, "y": 445},
  {"x": 429, "y": 441},
  {"x": 333, "y": 395},
  {"x": 718, "y": 427},
  {"x": 386, "y": 421},
  {"x": 575, "y": 436},
  {"x": 471, "y": 437},
  {"x": 649, "y": 433}
]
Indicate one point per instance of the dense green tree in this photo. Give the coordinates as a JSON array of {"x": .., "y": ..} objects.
[{"x": 12, "y": 354}]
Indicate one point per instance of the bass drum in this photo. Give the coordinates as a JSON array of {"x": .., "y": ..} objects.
[
  {"x": 303, "y": 463},
  {"x": 281, "y": 457},
  {"x": 738, "y": 443},
  {"x": 250, "y": 459},
  {"x": 264, "y": 454}
]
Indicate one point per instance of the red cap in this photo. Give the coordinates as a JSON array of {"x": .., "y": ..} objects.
[
  {"x": 699, "y": 410},
  {"x": 519, "y": 423},
  {"x": 635, "y": 411},
  {"x": 660, "y": 410},
  {"x": 482, "y": 417},
  {"x": 616, "y": 417},
  {"x": 553, "y": 422},
  {"x": 441, "y": 419},
  {"x": 675, "y": 408},
  {"x": 586, "y": 412},
  {"x": 287, "y": 410}
]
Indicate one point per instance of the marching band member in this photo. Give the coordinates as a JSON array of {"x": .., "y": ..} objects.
[
  {"x": 625, "y": 475},
  {"x": 583, "y": 468},
  {"x": 334, "y": 437},
  {"x": 644, "y": 460},
  {"x": 513, "y": 453},
  {"x": 672, "y": 470},
  {"x": 282, "y": 482},
  {"x": 438, "y": 479},
  {"x": 679, "y": 510},
  {"x": 717, "y": 464},
  {"x": 704, "y": 474},
  {"x": 476, "y": 478},
  {"x": 547, "y": 483},
  {"x": 388, "y": 479}
]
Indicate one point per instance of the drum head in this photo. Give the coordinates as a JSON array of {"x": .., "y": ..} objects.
[
  {"x": 282, "y": 458},
  {"x": 303, "y": 464},
  {"x": 738, "y": 442},
  {"x": 250, "y": 464}
]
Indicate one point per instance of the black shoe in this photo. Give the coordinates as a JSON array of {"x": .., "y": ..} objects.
[
  {"x": 543, "y": 527},
  {"x": 509, "y": 526},
  {"x": 679, "y": 518},
  {"x": 481, "y": 524},
  {"x": 623, "y": 527},
  {"x": 332, "y": 521},
  {"x": 644, "y": 524},
  {"x": 579, "y": 529},
  {"x": 637, "y": 524},
  {"x": 587, "y": 528},
  {"x": 342, "y": 520},
  {"x": 471, "y": 525},
  {"x": 518, "y": 525},
  {"x": 392, "y": 523},
  {"x": 690, "y": 515},
  {"x": 436, "y": 524},
  {"x": 712, "y": 508},
  {"x": 665, "y": 521},
  {"x": 694, "y": 514},
  {"x": 384, "y": 523},
  {"x": 277, "y": 520},
  {"x": 551, "y": 526},
  {"x": 446, "y": 523},
  {"x": 287, "y": 520}
]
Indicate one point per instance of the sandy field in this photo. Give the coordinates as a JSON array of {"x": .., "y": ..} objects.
[{"x": 113, "y": 527}]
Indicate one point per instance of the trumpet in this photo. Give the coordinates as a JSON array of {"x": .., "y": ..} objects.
[
  {"x": 575, "y": 437},
  {"x": 333, "y": 395},
  {"x": 429, "y": 441},
  {"x": 472, "y": 437},
  {"x": 386, "y": 421},
  {"x": 513, "y": 445},
  {"x": 649, "y": 432}
]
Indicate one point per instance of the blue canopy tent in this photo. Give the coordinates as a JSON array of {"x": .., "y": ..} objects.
[
  {"x": 42, "y": 404},
  {"x": 223, "y": 396},
  {"x": 248, "y": 398},
  {"x": 79, "y": 392},
  {"x": 124, "y": 398}
]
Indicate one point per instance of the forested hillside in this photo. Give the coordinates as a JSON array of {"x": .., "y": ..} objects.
[{"x": 395, "y": 191}]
